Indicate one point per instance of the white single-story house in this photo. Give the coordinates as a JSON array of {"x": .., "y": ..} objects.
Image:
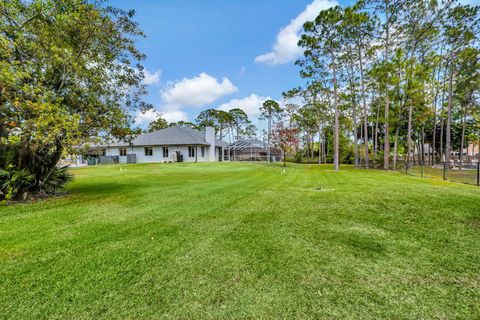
[{"x": 170, "y": 144}]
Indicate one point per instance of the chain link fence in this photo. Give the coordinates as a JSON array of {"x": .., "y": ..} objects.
[
  {"x": 468, "y": 173},
  {"x": 464, "y": 172}
]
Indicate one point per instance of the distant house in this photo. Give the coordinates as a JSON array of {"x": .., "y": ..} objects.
[
  {"x": 170, "y": 144},
  {"x": 472, "y": 150},
  {"x": 470, "y": 153}
]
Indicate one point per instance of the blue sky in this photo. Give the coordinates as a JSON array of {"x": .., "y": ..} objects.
[{"x": 219, "y": 53}]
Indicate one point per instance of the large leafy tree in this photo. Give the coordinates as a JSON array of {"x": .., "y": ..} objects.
[
  {"x": 69, "y": 72},
  {"x": 240, "y": 122},
  {"x": 186, "y": 124},
  {"x": 219, "y": 119},
  {"x": 157, "y": 124},
  {"x": 234, "y": 122}
]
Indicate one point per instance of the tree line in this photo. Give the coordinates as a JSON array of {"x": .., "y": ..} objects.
[{"x": 387, "y": 77}]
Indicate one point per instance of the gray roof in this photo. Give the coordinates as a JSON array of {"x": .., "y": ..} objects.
[{"x": 176, "y": 135}]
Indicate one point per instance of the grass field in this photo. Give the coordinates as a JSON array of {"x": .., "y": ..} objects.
[{"x": 204, "y": 241}]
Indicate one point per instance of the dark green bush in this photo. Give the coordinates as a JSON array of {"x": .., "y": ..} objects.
[
  {"x": 18, "y": 184},
  {"x": 299, "y": 156},
  {"x": 58, "y": 178},
  {"x": 14, "y": 183}
]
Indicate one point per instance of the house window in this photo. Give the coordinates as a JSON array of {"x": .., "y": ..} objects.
[
  {"x": 191, "y": 151},
  {"x": 123, "y": 152},
  {"x": 165, "y": 152},
  {"x": 148, "y": 151},
  {"x": 103, "y": 152},
  {"x": 202, "y": 150}
]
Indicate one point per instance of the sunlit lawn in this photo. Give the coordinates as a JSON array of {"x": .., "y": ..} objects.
[{"x": 232, "y": 240}]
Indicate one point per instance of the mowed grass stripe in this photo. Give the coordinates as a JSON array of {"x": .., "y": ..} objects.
[{"x": 242, "y": 240}]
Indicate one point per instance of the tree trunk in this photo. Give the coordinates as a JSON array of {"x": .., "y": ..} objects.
[
  {"x": 354, "y": 111},
  {"x": 312, "y": 149},
  {"x": 325, "y": 147},
  {"x": 442, "y": 122},
  {"x": 386, "y": 148},
  {"x": 462, "y": 141},
  {"x": 414, "y": 148},
  {"x": 361, "y": 131},
  {"x": 434, "y": 138},
  {"x": 355, "y": 138},
  {"x": 448, "y": 146},
  {"x": 53, "y": 160},
  {"x": 375, "y": 146},
  {"x": 319, "y": 143},
  {"x": 336, "y": 147},
  {"x": 395, "y": 148},
  {"x": 269, "y": 135},
  {"x": 307, "y": 143},
  {"x": 422, "y": 147},
  {"x": 409, "y": 134},
  {"x": 440, "y": 147},
  {"x": 365, "y": 115}
]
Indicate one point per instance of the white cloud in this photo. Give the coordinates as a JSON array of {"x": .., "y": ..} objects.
[
  {"x": 175, "y": 116},
  {"x": 195, "y": 92},
  {"x": 142, "y": 118},
  {"x": 286, "y": 48},
  {"x": 198, "y": 91},
  {"x": 251, "y": 104},
  {"x": 152, "y": 77}
]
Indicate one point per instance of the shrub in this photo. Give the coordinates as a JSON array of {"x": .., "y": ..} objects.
[
  {"x": 58, "y": 178},
  {"x": 14, "y": 182},
  {"x": 298, "y": 156}
]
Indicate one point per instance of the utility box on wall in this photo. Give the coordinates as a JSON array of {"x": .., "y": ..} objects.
[
  {"x": 109, "y": 159},
  {"x": 131, "y": 158}
]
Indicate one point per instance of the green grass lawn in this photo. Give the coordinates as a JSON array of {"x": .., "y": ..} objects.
[{"x": 232, "y": 240}]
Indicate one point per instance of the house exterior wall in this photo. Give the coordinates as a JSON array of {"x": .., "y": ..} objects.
[
  {"x": 473, "y": 149},
  {"x": 158, "y": 154},
  {"x": 210, "y": 138}
]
